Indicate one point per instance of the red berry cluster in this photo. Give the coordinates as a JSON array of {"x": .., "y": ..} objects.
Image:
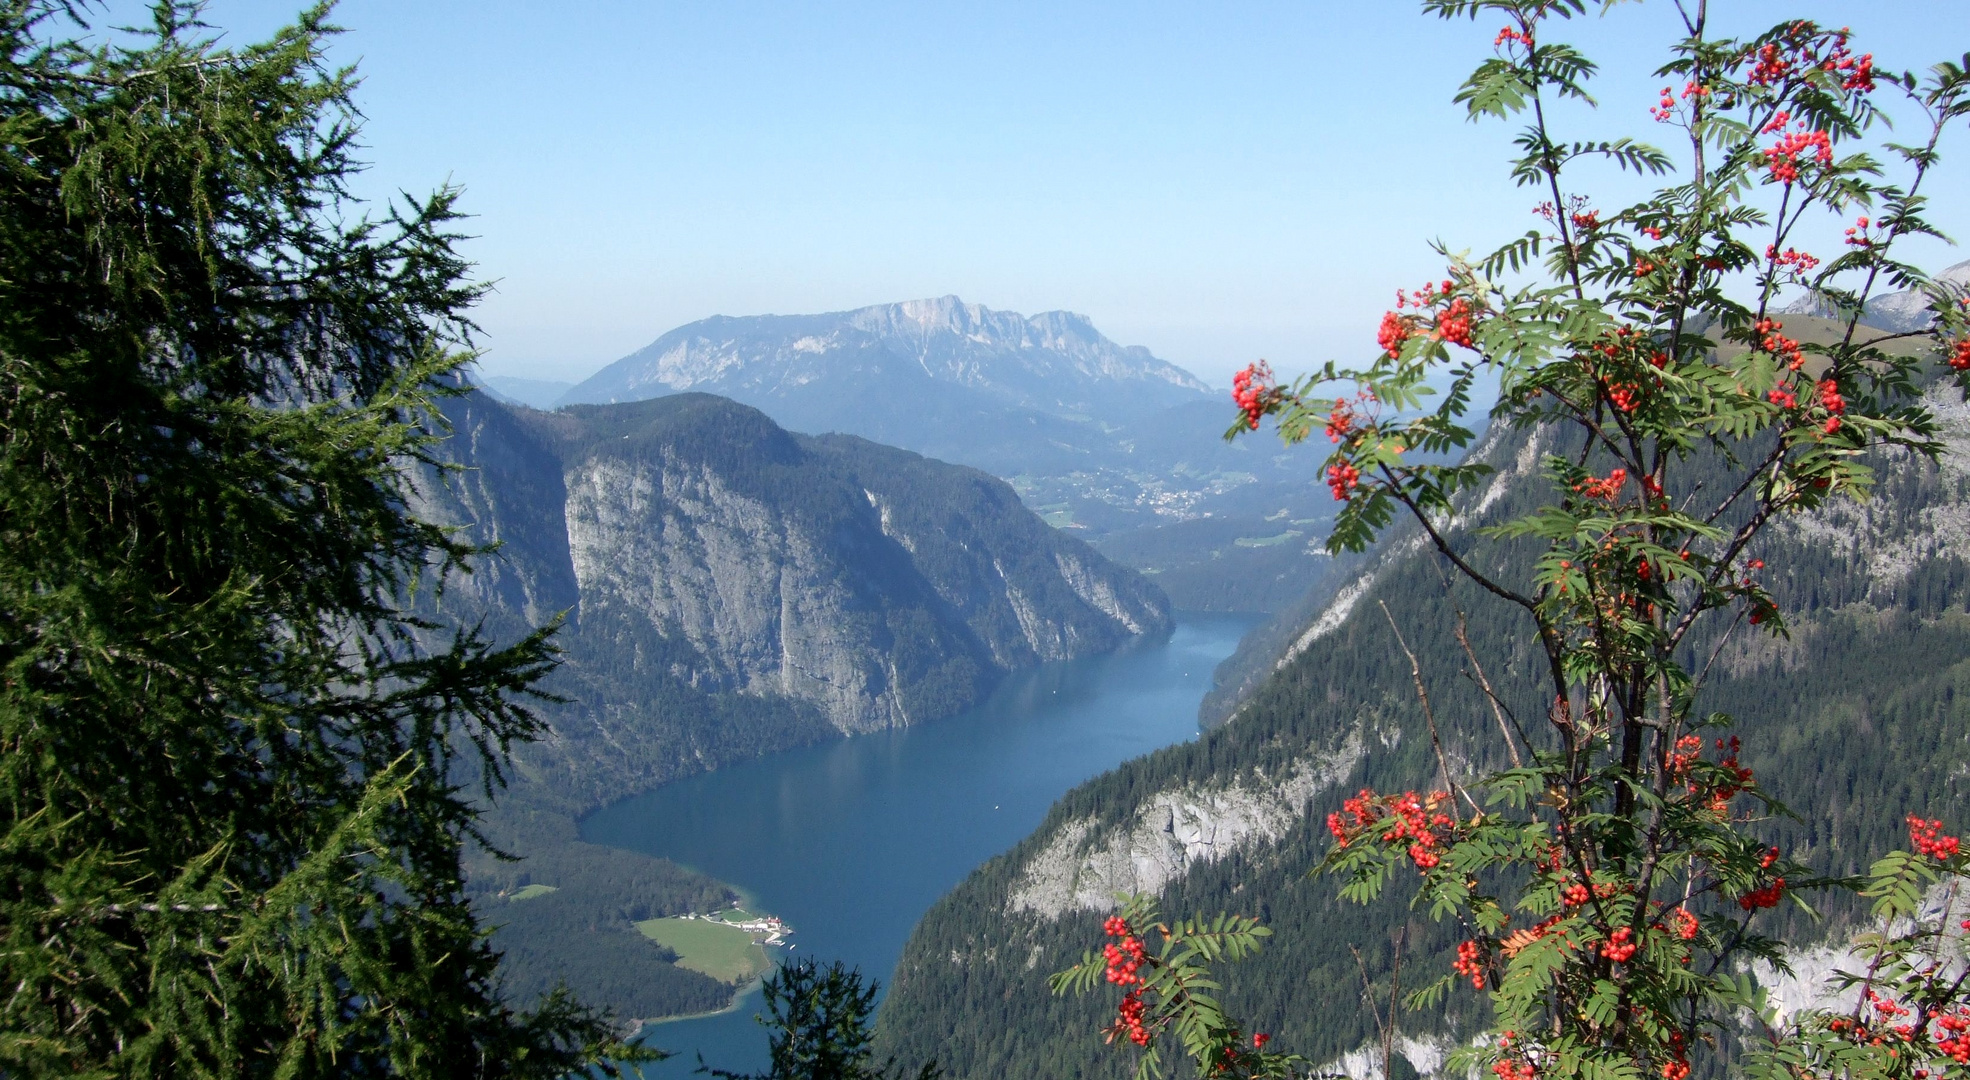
[
  {"x": 1765, "y": 897},
  {"x": 1688, "y": 749},
  {"x": 1340, "y": 421},
  {"x": 1623, "y": 345},
  {"x": 1470, "y": 963},
  {"x": 1721, "y": 796},
  {"x": 1774, "y": 62},
  {"x": 1513, "y": 1065},
  {"x": 1771, "y": 66},
  {"x": 1515, "y": 1070},
  {"x": 1780, "y": 346},
  {"x": 1395, "y": 330},
  {"x": 1608, "y": 489},
  {"x": 1233, "y": 1057},
  {"x": 1927, "y": 837},
  {"x": 1426, "y": 297},
  {"x": 1453, "y": 323},
  {"x": 1129, "y": 1016},
  {"x": 1665, "y": 110},
  {"x": 1790, "y": 259},
  {"x": 1782, "y": 157},
  {"x": 1342, "y": 479},
  {"x": 1253, "y": 391},
  {"x": 1510, "y": 34},
  {"x": 1405, "y": 819},
  {"x": 1882, "y": 1021},
  {"x": 1953, "y": 1035},
  {"x": 1959, "y": 355},
  {"x": 1348, "y": 416},
  {"x": 1857, "y": 234},
  {"x": 1686, "y": 924},
  {"x": 1123, "y": 962},
  {"x": 1783, "y": 397},
  {"x": 1859, "y": 69},
  {"x": 1619, "y": 946},
  {"x": 1126, "y": 956},
  {"x": 1833, "y": 403}
]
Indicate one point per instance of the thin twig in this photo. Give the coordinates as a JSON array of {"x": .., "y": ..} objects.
[
  {"x": 1429, "y": 714},
  {"x": 1385, "y": 1029},
  {"x": 1497, "y": 707}
]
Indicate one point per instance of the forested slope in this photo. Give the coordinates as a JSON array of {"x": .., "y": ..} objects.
[{"x": 1863, "y": 697}]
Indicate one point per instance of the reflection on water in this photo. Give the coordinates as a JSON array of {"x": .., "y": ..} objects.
[{"x": 851, "y": 841}]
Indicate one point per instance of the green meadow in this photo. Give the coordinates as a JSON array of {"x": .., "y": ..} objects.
[{"x": 724, "y": 952}]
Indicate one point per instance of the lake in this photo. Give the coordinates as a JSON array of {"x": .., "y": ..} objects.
[{"x": 852, "y": 841}]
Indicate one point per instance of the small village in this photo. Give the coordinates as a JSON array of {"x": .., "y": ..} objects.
[{"x": 775, "y": 930}]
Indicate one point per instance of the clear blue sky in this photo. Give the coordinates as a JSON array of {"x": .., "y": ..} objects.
[{"x": 1218, "y": 182}]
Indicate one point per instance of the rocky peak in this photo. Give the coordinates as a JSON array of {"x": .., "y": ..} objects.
[{"x": 1051, "y": 361}]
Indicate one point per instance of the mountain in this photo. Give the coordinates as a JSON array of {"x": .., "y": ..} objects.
[
  {"x": 1860, "y": 717},
  {"x": 729, "y": 589},
  {"x": 1100, "y": 438},
  {"x": 1896, "y": 311},
  {"x": 822, "y": 371}
]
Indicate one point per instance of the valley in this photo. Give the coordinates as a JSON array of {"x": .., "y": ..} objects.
[
  {"x": 724, "y": 589},
  {"x": 411, "y": 667},
  {"x": 852, "y": 841}
]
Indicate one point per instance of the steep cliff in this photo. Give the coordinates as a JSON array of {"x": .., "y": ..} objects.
[
  {"x": 1861, "y": 717},
  {"x": 1101, "y": 438},
  {"x": 729, "y": 589}
]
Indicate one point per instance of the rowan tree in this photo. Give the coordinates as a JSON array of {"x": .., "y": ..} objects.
[{"x": 1612, "y": 883}]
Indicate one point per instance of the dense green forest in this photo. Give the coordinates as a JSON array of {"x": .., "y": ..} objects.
[{"x": 1855, "y": 720}]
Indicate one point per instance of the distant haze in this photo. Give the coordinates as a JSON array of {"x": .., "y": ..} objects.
[{"x": 1217, "y": 183}]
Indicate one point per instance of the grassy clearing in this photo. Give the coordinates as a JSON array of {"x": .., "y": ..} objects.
[
  {"x": 1266, "y": 541},
  {"x": 725, "y": 953},
  {"x": 528, "y": 892}
]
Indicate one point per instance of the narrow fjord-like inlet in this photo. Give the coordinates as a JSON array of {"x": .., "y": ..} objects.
[{"x": 851, "y": 842}]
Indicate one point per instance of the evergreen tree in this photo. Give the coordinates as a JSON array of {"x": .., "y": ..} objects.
[
  {"x": 820, "y": 1022},
  {"x": 236, "y": 777}
]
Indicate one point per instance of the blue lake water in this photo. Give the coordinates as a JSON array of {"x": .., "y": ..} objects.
[{"x": 852, "y": 841}]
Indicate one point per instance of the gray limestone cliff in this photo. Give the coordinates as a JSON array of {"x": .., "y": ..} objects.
[{"x": 713, "y": 565}]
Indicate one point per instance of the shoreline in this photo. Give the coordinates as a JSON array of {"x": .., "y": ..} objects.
[{"x": 738, "y": 994}]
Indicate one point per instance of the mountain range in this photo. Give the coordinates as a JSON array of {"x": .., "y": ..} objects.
[
  {"x": 1103, "y": 439},
  {"x": 1899, "y": 312}
]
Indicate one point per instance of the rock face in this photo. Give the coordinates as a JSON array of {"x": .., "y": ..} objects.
[
  {"x": 1101, "y": 438},
  {"x": 1085, "y": 867},
  {"x": 695, "y": 543}
]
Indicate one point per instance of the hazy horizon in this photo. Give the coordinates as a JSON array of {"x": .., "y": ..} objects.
[{"x": 1214, "y": 185}]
